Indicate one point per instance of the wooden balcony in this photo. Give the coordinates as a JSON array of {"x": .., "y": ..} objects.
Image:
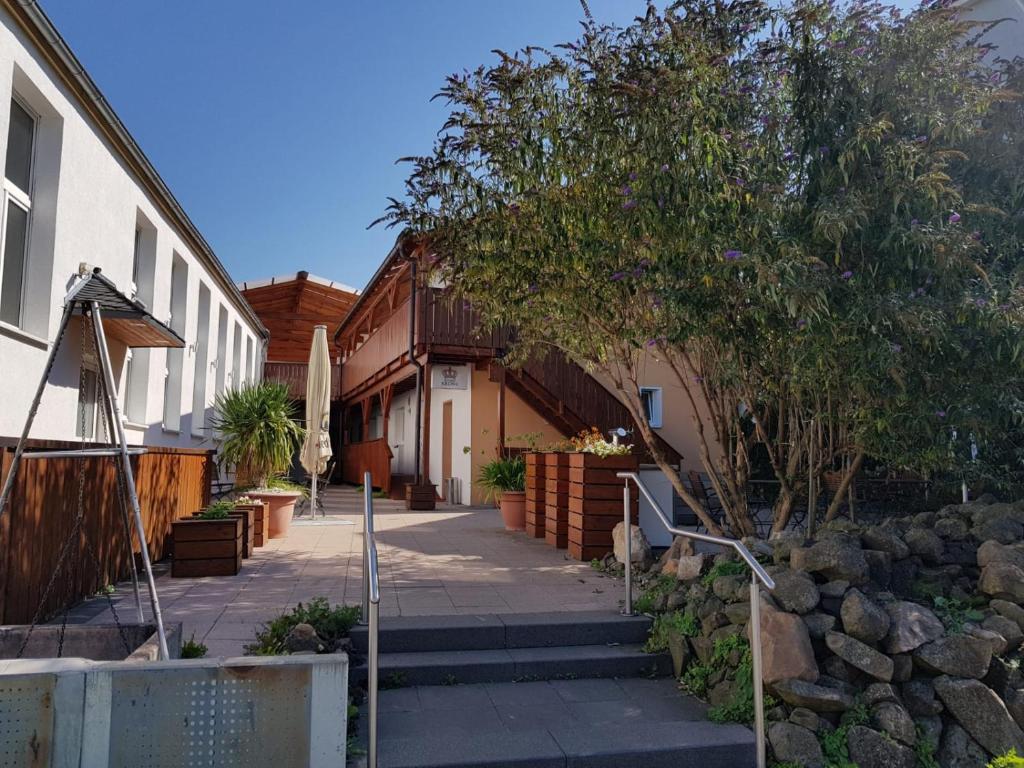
[
  {"x": 294, "y": 376},
  {"x": 385, "y": 351},
  {"x": 453, "y": 325}
]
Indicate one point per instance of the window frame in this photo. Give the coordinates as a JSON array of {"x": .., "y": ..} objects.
[
  {"x": 654, "y": 414},
  {"x": 22, "y": 198}
]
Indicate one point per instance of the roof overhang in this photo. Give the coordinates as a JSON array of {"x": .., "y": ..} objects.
[{"x": 124, "y": 319}]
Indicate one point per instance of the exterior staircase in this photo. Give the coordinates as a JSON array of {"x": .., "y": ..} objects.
[{"x": 536, "y": 690}]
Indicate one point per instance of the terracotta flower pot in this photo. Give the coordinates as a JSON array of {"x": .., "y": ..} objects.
[
  {"x": 281, "y": 506},
  {"x": 513, "y": 510}
]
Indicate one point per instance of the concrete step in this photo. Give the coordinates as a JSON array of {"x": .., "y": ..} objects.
[
  {"x": 493, "y": 632},
  {"x": 516, "y": 664},
  {"x": 581, "y": 723}
]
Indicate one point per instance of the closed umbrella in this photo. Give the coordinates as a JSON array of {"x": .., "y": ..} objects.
[{"x": 317, "y": 448}]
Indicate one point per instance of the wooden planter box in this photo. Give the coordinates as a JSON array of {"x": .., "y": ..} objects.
[
  {"x": 556, "y": 499},
  {"x": 595, "y": 502},
  {"x": 207, "y": 547},
  {"x": 421, "y": 497},
  {"x": 248, "y": 515},
  {"x": 259, "y": 521},
  {"x": 535, "y": 492}
]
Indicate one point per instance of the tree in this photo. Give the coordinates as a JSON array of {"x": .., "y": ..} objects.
[{"x": 760, "y": 198}]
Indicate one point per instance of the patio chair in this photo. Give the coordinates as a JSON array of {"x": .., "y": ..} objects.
[{"x": 709, "y": 502}]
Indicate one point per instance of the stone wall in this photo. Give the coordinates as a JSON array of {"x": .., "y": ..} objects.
[{"x": 887, "y": 644}]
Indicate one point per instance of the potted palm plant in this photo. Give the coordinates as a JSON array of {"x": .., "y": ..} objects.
[
  {"x": 259, "y": 434},
  {"x": 505, "y": 478}
]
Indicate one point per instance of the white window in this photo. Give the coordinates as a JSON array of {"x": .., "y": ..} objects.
[
  {"x": 236, "y": 357},
  {"x": 201, "y": 367},
  {"x": 651, "y": 398},
  {"x": 176, "y": 356},
  {"x": 17, "y": 205},
  {"x": 222, "y": 349},
  {"x": 143, "y": 278},
  {"x": 249, "y": 374}
]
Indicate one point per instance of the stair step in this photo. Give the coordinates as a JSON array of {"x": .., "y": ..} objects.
[
  {"x": 493, "y": 632},
  {"x": 512, "y": 664},
  {"x": 580, "y": 723}
]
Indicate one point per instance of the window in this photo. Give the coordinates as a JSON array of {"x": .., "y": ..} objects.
[
  {"x": 249, "y": 374},
  {"x": 176, "y": 356},
  {"x": 17, "y": 202},
  {"x": 222, "y": 349},
  {"x": 236, "y": 357},
  {"x": 143, "y": 277},
  {"x": 85, "y": 423},
  {"x": 651, "y": 398},
  {"x": 202, "y": 353}
]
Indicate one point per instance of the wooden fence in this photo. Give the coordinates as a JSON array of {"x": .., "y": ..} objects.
[{"x": 171, "y": 482}]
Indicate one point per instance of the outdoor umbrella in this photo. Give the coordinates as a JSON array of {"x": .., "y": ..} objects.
[{"x": 317, "y": 448}]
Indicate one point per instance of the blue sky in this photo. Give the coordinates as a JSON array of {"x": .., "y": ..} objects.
[{"x": 277, "y": 124}]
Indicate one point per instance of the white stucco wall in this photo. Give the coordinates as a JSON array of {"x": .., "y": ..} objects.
[
  {"x": 86, "y": 204},
  {"x": 462, "y": 435},
  {"x": 402, "y": 433}
]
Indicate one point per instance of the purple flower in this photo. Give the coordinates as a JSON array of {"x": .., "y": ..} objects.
[
  {"x": 698, "y": 379},
  {"x": 626, "y": 190},
  {"x": 914, "y": 223},
  {"x": 632, "y": 175},
  {"x": 976, "y": 235},
  {"x": 859, "y": 50},
  {"x": 732, "y": 255},
  {"x": 980, "y": 302},
  {"x": 941, "y": 414},
  {"x": 788, "y": 155},
  {"x": 739, "y": 182},
  {"x": 661, "y": 203},
  {"x": 823, "y": 150},
  {"x": 514, "y": 207},
  {"x": 513, "y": 143},
  {"x": 801, "y": 324},
  {"x": 664, "y": 167},
  {"x": 846, "y": 275},
  {"x": 652, "y": 342},
  {"x": 618, "y": 276},
  {"x": 954, "y": 218},
  {"x": 921, "y": 139},
  {"x": 629, "y": 205},
  {"x": 897, "y": 348},
  {"x": 533, "y": 288},
  {"x": 656, "y": 302}
]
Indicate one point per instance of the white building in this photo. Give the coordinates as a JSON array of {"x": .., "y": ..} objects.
[{"x": 77, "y": 188}]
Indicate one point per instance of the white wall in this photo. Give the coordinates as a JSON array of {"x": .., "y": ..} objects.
[
  {"x": 462, "y": 436},
  {"x": 402, "y": 433},
  {"x": 86, "y": 204}
]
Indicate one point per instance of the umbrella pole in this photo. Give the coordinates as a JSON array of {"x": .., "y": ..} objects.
[{"x": 312, "y": 499}]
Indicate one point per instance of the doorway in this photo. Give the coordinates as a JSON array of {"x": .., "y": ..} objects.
[{"x": 446, "y": 445}]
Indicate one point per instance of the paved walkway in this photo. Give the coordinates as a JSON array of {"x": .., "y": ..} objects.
[{"x": 454, "y": 560}]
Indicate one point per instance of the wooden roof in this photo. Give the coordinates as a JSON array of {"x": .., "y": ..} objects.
[
  {"x": 291, "y": 308},
  {"x": 124, "y": 319}
]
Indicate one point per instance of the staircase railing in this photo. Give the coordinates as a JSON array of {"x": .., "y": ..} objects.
[
  {"x": 370, "y": 616},
  {"x": 758, "y": 577}
]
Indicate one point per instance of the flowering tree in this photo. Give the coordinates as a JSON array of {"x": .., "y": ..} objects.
[{"x": 760, "y": 199}]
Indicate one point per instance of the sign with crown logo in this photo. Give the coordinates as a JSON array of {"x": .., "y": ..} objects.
[{"x": 447, "y": 376}]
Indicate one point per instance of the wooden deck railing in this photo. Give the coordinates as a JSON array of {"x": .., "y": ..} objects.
[
  {"x": 453, "y": 324},
  {"x": 172, "y": 483},
  {"x": 294, "y": 376},
  {"x": 373, "y": 456}
]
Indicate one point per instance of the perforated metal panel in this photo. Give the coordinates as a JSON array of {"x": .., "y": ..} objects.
[
  {"x": 241, "y": 716},
  {"x": 26, "y": 720}
]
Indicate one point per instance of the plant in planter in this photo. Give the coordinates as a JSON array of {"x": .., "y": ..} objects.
[
  {"x": 208, "y": 544},
  {"x": 506, "y": 478},
  {"x": 259, "y": 434}
]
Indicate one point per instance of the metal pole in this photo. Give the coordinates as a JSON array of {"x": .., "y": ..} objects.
[
  {"x": 755, "y": 656},
  {"x": 23, "y": 440},
  {"x": 364, "y": 616},
  {"x": 108, "y": 375},
  {"x": 371, "y": 694},
  {"x": 628, "y": 608},
  {"x": 312, "y": 499}
]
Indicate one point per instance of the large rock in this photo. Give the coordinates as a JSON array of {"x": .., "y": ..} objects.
[
  {"x": 911, "y": 626},
  {"x": 959, "y": 750},
  {"x": 1003, "y": 580},
  {"x": 956, "y": 655},
  {"x": 879, "y": 567},
  {"x": 951, "y": 529},
  {"x": 982, "y": 714},
  {"x": 1007, "y": 628},
  {"x": 817, "y": 698},
  {"x": 925, "y": 543},
  {"x": 639, "y": 547},
  {"x": 839, "y": 557},
  {"x": 303, "y": 639},
  {"x": 795, "y": 745},
  {"x": 891, "y": 718},
  {"x": 994, "y": 552},
  {"x": 870, "y": 749},
  {"x": 795, "y": 591},
  {"x": 1003, "y": 530},
  {"x": 783, "y": 543},
  {"x": 786, "y": 650},
  {"x": 885, "y": 540},
  {"x": 1010, "y": 611},
  {"x": 688, "y": 567},
  {"x": 860, "y": 655},
  {"x": 919, "y": 696},
  {"x": 818, "y": 624},
  {"x": 862, "y": 618}
]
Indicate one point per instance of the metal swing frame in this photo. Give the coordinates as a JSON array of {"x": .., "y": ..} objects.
[{"x": 95, "y": 295}]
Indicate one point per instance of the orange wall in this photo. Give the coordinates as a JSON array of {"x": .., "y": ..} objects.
[{"x": 520, "y": 419}]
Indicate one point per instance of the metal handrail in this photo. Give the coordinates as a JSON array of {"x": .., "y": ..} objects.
[
  {"x": 370, "y": 616},
  {"x": 758, "y": 574}
]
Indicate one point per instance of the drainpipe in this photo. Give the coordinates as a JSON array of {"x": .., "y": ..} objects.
[{"x": 418, "y": 366}]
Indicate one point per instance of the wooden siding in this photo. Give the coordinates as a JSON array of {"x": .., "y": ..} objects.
[
  {"x": 370, "y": 455},
  {"x": 172, "y": 484},
  {"x": 454, "y": 324},
  {"x": 379, "y": 353}
]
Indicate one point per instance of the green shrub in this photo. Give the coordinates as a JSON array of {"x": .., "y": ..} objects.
[
  {"x": 740, "y": 706},
  {"x": 1010, "y": 760},
  {"x": 667, "y": 623},
  {"x": 191, "y": 649},
  {"x": 331, "y": 625},
  {"x": 504, "y": 474},
  {"x": 833, "y": 743},
  {"x": 723, "y": 568},
  {"x": 955, "y": 614},
  {"x": 217, "y": 510},
  {"x": 662, "y": 586}
]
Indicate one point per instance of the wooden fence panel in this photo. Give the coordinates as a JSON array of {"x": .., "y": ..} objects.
[{"x": 40, "y": 516}]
